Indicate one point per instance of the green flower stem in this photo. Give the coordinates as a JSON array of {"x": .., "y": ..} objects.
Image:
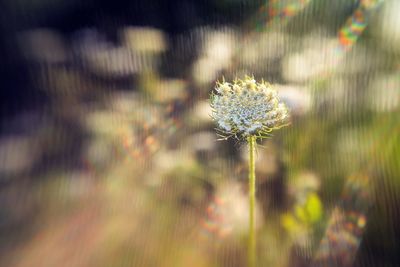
[{"x": 252, "y": 201}]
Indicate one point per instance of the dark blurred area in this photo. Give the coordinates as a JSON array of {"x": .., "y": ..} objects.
[
  {"x": 68, "y": 17},
  {"x": 108, "y": 155}
]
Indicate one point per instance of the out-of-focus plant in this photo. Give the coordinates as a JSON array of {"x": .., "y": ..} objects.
[
  {"x": 248, "y": 110},
  {"x": 304, "y": 219}
]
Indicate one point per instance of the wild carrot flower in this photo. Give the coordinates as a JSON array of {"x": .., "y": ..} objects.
[{"x": 247, "y": 108}]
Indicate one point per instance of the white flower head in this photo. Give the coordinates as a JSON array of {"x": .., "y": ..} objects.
[{"x": 247, "y": 108}]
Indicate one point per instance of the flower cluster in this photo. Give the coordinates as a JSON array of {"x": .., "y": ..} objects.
[{"x": 247, "y": 108}]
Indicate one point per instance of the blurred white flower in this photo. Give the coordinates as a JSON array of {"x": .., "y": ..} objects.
[
  {"x": 386, "y": 26},
  {"x": 383, "y": 93},
  {"x": 216, "y": 53}
]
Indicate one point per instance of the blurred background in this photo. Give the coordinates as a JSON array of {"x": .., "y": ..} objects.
[{"x": 108, "y": 155}]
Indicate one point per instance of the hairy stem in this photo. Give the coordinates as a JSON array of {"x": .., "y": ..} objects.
[{"x": 252, "y": 201}]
